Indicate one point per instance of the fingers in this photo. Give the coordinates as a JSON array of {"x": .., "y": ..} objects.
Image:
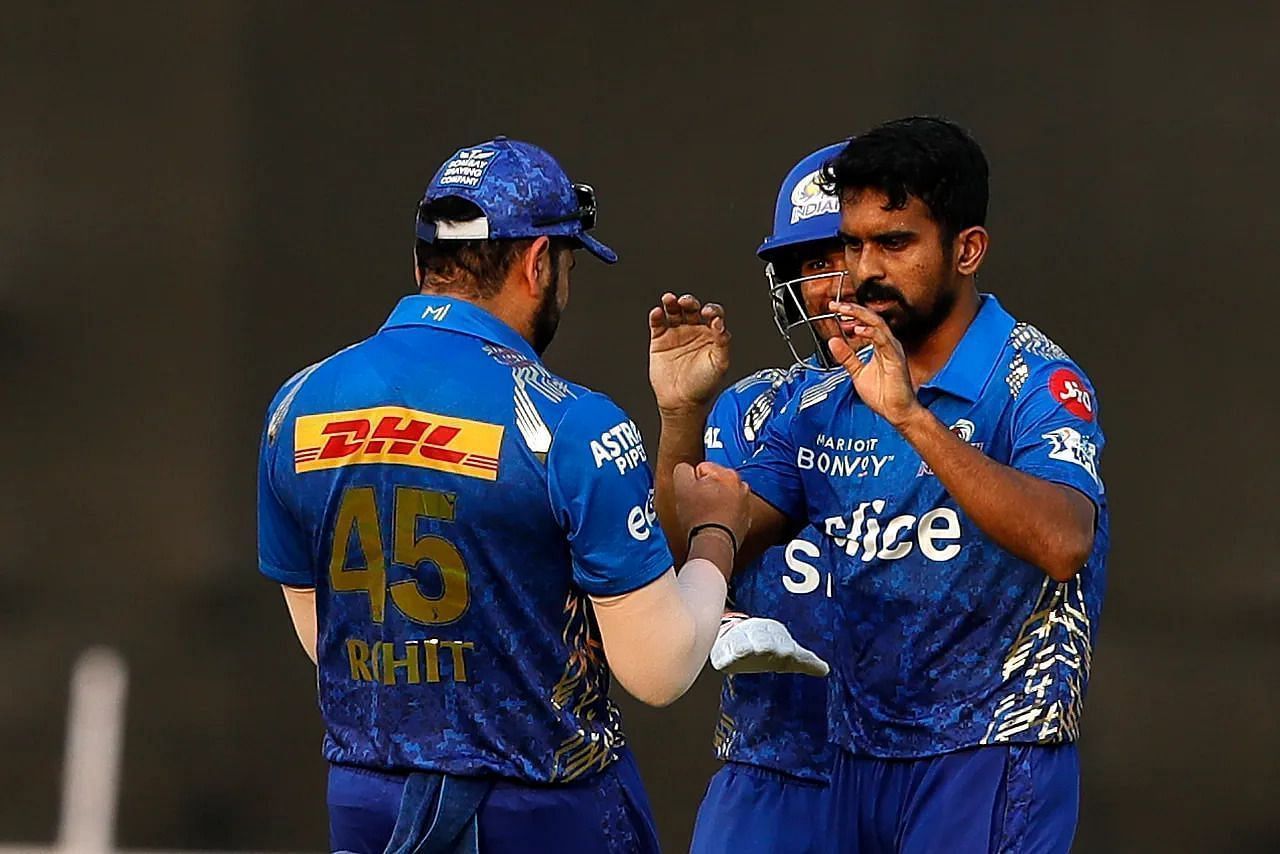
[
  {"x": 763, "y": 645},
  {"x": 671, "y": 308},
  {"x": 713, "y": 316},
  {"x": 657, "y": 321},
  {"x": 844, "y": 354},
  {"x": 869, "y": 325},
  {"x": 682, "y": 476},
  {"x": 690, "y": 310},
  {"x": 726, "y": 476},
  {"x": 686, "y": 310},
  {"x": 706, "y": 468},
  {"x": 806, "y": 662}
]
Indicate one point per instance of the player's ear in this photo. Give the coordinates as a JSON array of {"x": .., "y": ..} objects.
[
  {"x": 970, "y": 249},
  {"x": 535, "y": 265}
]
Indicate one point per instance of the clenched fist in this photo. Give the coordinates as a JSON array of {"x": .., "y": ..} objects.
[{"x": 712, "y": 494}]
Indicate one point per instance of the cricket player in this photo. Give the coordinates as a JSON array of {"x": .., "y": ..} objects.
[
  {"x": 772, "y": 730},
  {"x": 463, "y": 537},
  {"x": 954, "y": 472}
]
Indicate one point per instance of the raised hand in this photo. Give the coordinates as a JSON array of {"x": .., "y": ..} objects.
[
  {"x": 884, "y": 381},
  {"x": 688, "y": 352}
]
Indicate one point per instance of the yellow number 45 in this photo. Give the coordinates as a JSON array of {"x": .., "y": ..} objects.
[{"x": 359, "y": 511}]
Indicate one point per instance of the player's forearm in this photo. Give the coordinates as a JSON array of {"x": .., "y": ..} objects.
[
  {"x": 302, "y": 612},
  {"x": 679, "y": 442},
  {"x": 658, "y": 638},
  {"x": 1043, "y": 523}
]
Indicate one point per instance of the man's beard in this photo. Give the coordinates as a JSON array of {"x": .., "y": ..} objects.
[
  {"x": 547, "y": 317},
  {"x": 911, "y": 324}
]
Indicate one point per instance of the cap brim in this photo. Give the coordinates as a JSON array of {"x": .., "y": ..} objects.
[{"x": 596, "y": 248}]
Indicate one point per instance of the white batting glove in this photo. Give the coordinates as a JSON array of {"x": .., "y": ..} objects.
[{"x": 748, "y": 644}]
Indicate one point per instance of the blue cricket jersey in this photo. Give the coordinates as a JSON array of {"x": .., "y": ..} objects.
[
  {"x": 777, "y": 721},
  {"x": 454, "y": 503},
  {"x": 943, "y": 640}
]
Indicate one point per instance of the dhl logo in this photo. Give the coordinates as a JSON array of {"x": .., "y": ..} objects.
[{"x": 395, "y": 435}]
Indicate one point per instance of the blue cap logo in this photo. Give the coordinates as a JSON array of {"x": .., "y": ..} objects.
[
  {"x": 467, "y": 167},
  {"x": 521, "y": 192}
]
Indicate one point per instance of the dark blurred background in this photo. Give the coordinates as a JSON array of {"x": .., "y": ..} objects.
[{"x": 197, "y": 199}]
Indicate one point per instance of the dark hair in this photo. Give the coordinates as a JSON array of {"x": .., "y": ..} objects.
[
  {"x": 930, "y": 158},
  {"x": 471, "y": 268}
]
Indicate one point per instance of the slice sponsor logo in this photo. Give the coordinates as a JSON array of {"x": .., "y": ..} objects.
[
  {"x": 865, "y": 533},
  {"x": 395, "y": 435}
]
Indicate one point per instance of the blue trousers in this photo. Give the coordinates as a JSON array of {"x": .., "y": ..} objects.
[
  {"x": 752, "y": 810},
  {"x": 1002, "y": 798},
  {"x": 607, "y": 812}
]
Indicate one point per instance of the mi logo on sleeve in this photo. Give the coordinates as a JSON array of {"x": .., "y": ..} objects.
[{"x": 394, "y": 435}]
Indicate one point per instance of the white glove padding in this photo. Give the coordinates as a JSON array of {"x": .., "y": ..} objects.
[{"x": 760, "y": 645}]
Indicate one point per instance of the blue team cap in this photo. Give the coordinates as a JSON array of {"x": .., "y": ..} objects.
[
  {"x": 804, "y": 213},
  {"x": 522, "y": 192}
]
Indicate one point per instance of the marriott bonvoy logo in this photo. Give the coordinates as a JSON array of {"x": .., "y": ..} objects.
[{"x": 841, "y": 456}]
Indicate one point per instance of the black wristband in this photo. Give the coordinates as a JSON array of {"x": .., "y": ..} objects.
[{"x": 696, "y": 528}]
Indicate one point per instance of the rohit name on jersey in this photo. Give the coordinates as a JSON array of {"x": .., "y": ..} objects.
[
  {"x": 621, "y": 445},
  {"x": 411, "y": 662}
]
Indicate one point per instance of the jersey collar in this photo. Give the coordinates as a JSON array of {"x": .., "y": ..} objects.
[
  {"x": 457, "y": 315},
  {"x": 975, "y": 358}
]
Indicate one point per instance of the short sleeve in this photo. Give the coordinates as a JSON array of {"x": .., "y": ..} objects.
[
  {"x": 283, "y": 553},
  {"x": 771, "y": 470},
  {"x": 1055, "y": 430},
  {"x": 723, "y": 440},
  {"x": 601, "y": 490},
  {"x": 737, "y": 420}
]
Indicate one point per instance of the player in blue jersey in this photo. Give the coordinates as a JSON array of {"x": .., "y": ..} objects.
[
  {"x": 463, "y": 536},
  {"x": 953, "y": 469},
  {"x": 772, "y": 730}
]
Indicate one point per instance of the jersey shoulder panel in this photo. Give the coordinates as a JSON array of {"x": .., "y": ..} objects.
[
  {"x": 594, "y": 422},
  {"x": 816, "y": 387},
  {"x": 540, "y": 398},
  {"x": 762, "y": 377},
  {"x": 282, "y": 403},
  {"x": 737, "y": 419},
  {"x": 1030, "y": 351}
]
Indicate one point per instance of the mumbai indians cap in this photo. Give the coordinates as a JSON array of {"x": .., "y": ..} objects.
[
  {"x": 522, "y": 192},
  {"x": 804, "y": 213}
]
